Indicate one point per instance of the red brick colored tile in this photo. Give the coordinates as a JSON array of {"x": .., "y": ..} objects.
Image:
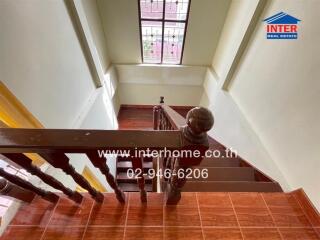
[
  {"x": 145, "y": 214},
  {"x": 64, "y": 233},
  {"x": 154, "y": 233},
  {"x": 68, "y": 213},
  {"x": 36, "y": 213},
  {"x": 214, "y": 199},
  {"x": 181, "y": 216},
  {"x": 254, "y": 217},
  {"x": 261, "y": 234},
  {"x": 176, "y": 233},
  {"x": 109, "y": 213},
  {"x": 188, "y": 199},
  {"x": 22, "y": 233},
  {"x": 218, "y": 216},
  {"x": 104, "y": 233},
  {"x": 281, "y": 200},
  {"x": 287, "y": 217},
  {"x": 317, "y": 231},
  {"x": 222, "y": 233},
  {"x": 253, "y": 200},
  {"x": 299, "y": 234}
]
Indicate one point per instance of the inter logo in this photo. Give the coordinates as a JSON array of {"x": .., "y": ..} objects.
[{"x": 282, "y": 26}]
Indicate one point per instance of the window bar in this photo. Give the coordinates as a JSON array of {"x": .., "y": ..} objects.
[
  {"x": 185, "y": 31},
  {"x": 163, "y": 16},
  {"x": 140, "y": 29}
]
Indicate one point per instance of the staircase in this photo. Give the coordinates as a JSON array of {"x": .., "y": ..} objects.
[
  {"x": 130, "y": 184},
  {"x": 224, "y": 174}
]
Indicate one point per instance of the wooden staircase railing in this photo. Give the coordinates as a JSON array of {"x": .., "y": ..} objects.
[
  {"x": 194, "y": 137},
  {"x": 54, "y": 144}
]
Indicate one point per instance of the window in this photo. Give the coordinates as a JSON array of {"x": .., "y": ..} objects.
[{"x": 163, "y": 26}]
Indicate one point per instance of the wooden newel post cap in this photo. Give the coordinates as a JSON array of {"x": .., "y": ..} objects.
[
  {"x": 199, "y": 121},
  {"x": 161, "y": 99}
]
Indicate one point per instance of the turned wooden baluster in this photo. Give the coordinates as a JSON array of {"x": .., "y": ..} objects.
[
  {"x": 137, "y": 163},
  {"x": 11, "y": 190},
  {"x": 156, "y": 111},
  {"x": 101, "y": 163},
  {"x": 26, "y": 163},
  {"x": 60, "y": 160},
  {"x": 24, "y": 184},
  {"x": 194, "y": 134}
]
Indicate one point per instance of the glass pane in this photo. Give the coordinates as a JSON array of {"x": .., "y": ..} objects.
[
  {"x": 173, "y": 41},
  {"x": 151, "y": 41},
  {"x": 176, "y": 9},
  {"x": 151, "y": 9}
]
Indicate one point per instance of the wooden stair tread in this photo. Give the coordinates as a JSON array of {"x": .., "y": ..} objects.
[
  {"x": 130, "y": 187},
  {"x": 231, "y": 186},
  {"x": 220, "y": 162},
  {"x": 123, "y": 177},
  {"x": 227, "y": 174},
  {"x": 128, "y": 164}
]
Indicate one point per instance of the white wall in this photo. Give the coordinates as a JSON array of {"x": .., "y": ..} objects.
[
  {"x": 41, "y": 60},
  {"x": 43, "y": 64},
  {"x": 232, "y": 129},
  {"x": 91, "y": 11},
  {"x": 277, "y": 87},
  {"x": 149, "y": 94}
]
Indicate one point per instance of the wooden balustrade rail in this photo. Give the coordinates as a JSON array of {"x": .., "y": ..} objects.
[{"x": 53, "y": 144}]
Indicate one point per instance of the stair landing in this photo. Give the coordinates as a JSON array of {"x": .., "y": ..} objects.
[{"x": 197, "y": 216}]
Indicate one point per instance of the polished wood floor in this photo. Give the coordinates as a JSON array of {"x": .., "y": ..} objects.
[
  {"x": 249, "y": 216},
  {"x": 141, "y": 117}
]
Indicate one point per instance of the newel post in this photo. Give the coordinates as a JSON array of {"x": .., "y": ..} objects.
[{"x": 194, "y": 136}]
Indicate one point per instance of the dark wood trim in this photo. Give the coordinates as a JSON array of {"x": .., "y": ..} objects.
[
  {"x": 185, "y": 32},
  {"x": 176, "y": 120},
  {"x": 14, "y": 140}
]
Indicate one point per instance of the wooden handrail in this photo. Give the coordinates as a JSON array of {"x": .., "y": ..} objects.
[
  {"x": 17, "y": 140},
  {"x": 175, "y": 118},
  {"x": 172, "y": 132}
]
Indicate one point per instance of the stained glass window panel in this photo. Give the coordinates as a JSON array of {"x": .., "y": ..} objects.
[
  {"x": 151, "y": 9},
  {"x": 176, "y": 9},
  {"x": 173, "y": 42},
  {"x": 151, "y": 41}
]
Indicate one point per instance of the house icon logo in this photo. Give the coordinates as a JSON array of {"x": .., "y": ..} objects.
[{"x": 282, "y": 26}]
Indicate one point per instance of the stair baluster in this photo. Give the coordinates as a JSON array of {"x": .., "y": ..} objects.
[
  {"x": 26, "y": 163},
  {"x": 47, "y": 195},
  {"x": 101, "y": 163},
  {"x": 60, "y": 160}
]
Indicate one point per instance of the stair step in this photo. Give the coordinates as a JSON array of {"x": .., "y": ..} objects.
[
  {"x": 133, "y": 187},
  {"x": 220, "y": 162},
  {"x": 122, "y": 177},
  {"x": 231, "y": 186},
  {"x": 227, "y": 174},
  {"x": 124, "y": 159},
  {"x": 125, "y": 165}
]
